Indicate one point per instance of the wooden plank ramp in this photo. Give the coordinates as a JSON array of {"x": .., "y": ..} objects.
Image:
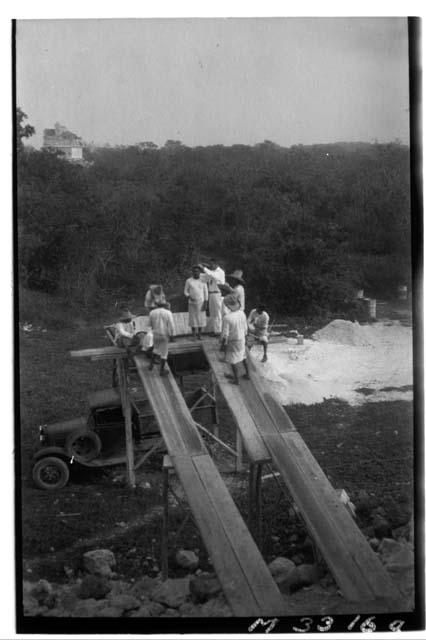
[
  {"x": 245, "y": 578},
  {"x": 253, "y": 442},
  {"x": 356, "y": 568}
]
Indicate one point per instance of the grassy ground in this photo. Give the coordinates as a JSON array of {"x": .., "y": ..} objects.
[{"x": 366, "y": 450}]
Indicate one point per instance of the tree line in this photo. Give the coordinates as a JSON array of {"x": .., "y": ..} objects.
[{"x": 308, "y": 225}]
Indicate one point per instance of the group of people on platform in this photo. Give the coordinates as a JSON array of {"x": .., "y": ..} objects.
[{"x": 213, "y": 303}]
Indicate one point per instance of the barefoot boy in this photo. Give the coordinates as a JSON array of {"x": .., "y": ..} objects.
[
  {"x": 258, "y": 322},
  {"x": 161, "y": 323}
]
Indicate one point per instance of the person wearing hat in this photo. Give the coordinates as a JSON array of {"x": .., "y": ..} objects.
[
  {"x": 154, "y": 295},
  {"x": 258, "y": 322},
  {"x": 234, "y": 332},
  {"x": 236, "y": 283},
  {"x": 213, "y": 276},
  {"x": 160, "y": 321},
  {"x": 125, "y": 333},
  {"x": 196, "y": 292}
]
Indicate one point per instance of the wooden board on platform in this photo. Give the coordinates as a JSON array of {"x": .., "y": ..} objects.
[
  {"x": 253, "y": 443},
  {"x": 169, "y": 407},
  {"x": 350, "y": 558},
  {"x": 268, "y": 597},
  {"x": 246, "y": 581}
]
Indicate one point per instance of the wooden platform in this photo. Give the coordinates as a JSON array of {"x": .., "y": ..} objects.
[
  {"x": 245, "y": 578},
  {"x": 356, "y": 568}
]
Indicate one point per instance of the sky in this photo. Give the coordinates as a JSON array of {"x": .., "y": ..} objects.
[{"x": 216, "y": 81}]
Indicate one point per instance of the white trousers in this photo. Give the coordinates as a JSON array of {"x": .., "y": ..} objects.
[{"x": 215, "y": 311}]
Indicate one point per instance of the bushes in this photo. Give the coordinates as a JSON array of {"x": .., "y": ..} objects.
[{"x": 305, "y": 224}]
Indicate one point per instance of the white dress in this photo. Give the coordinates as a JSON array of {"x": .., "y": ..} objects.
[
  {"x": 234, "y": 332},
  {"x": 197, "y": 294}
]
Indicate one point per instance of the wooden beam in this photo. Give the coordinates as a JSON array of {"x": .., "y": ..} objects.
[
  {"x": 246, "y": 581},
  {"x": 253, "y": 442},
  {"x": 165, "y": 525},
  {"x": 127, "y": 412},
  {"x": 351, "y": 560},
  {"x": 245, "y": 578},
  {"x": 100, "y": 352}
]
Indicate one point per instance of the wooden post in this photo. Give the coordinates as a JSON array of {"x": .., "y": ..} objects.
[
  {"x": 250, "y": 498},
  {"x": 239, "y": 449},
  {"x": 258, "y": 498},
  {"x": 165, "y": 528},
  {"x": 215, "y": 415},
  {"x": 127, "y": 413},
  {"x": 255, "y": 502}
]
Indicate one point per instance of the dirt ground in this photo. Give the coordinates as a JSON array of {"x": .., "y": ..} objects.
[{"x": 367, "y": 450}]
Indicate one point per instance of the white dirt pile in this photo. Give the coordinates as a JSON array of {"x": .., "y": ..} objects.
[{"x": 345, "y": 360}]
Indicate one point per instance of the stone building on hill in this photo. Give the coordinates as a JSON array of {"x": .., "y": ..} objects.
[{"x": 60, "y": 139}]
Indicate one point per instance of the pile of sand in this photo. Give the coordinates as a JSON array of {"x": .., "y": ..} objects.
[
  {"x": 347, "y": 361},
  {"x": 344, "y": 332}
]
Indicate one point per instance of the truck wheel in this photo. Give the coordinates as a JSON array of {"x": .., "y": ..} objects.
[
  {"x": 83, "y": 445},
  {"x": 50, "y": 473}
]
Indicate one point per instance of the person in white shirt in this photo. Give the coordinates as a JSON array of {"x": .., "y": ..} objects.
[
  {"x": 213, "y": 276},
  {"x": 258, "y": 323},
  {"x": 234, "y": 286},
  {"x": 234, "y": 332},
  {"x": 196, "y": 292},
  {"x": 162, "y": 326},
  {"x": 236, "y": 281}
]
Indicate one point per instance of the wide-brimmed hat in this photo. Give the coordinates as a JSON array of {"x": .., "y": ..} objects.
[
  {"x": 126, "y": 315},
  {"x": 237, "y": 275},
  {"x": 232, "y": 302},
  {"x": 196, "y": 266}
]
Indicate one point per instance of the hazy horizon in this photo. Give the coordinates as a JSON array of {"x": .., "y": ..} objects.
[{"x": 216, "y": 81}]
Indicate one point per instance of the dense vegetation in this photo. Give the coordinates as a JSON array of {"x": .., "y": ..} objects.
[{"x": 307, "y": 224}]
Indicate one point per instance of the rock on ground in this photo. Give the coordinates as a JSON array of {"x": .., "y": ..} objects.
[
  {"x": 280, "y": 567},
  {"x": 125, "y": 601},
  {"x": 187, "y": 559},
  {"x": 99, "y": 562},
  {"x": 215, "y": 608},
  {"x": 172, "y": 592},
  {"x": 43, "y": 593},
  {"x": 302, "y": 575},
  {"x": 144, "y": 587},
  {"x": 93, "y": 586},
  {"x": 204, "y": 586}
]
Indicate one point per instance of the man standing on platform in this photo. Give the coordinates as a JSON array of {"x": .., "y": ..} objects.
[
  {"x": 214, "y": 276},
  {"x": 233, "y": 337},
  {"x": 197, "y": 294}
]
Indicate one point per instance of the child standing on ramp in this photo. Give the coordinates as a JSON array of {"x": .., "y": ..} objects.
[
  {"x": 162, "y": 325},
  {"x": 234, "y": 333}
]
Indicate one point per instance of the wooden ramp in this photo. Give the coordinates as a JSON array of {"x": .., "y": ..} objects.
[
  {"x": 245, "y": 578},
  {"x": 356, "y": 568}
]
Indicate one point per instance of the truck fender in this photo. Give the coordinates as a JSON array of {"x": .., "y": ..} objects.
[{"x": 51, "y": 451}]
